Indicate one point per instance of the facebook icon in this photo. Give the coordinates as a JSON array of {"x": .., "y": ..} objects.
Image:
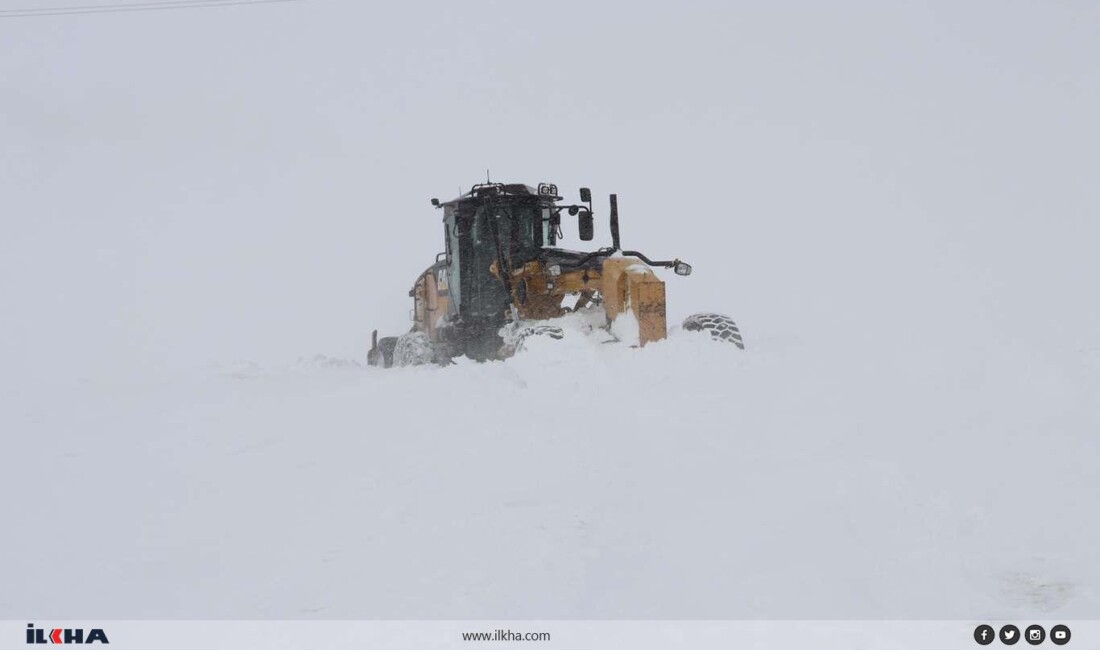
[{"x": 984, "y": 635}]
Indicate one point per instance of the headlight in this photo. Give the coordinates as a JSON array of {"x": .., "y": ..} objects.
[{"x": 554, "y": 270}]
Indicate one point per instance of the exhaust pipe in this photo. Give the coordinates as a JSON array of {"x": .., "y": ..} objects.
[{"x": 615, "y": 222}]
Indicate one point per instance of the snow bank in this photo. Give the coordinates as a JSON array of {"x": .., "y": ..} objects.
[{"x": 580, "y": 479}]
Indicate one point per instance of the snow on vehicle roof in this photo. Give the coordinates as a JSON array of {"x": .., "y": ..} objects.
[{"x": 478, "y": 191}]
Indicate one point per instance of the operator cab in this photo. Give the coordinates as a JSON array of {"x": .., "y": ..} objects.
[{"x": 491, "y": 222}]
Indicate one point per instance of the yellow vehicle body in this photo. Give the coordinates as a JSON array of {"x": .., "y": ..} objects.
[{"x": 503, "y": 275}]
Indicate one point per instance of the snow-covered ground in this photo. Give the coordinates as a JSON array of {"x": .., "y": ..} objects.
[{"x": 580, "y": 479}]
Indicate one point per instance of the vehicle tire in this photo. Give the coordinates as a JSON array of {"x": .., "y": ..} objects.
[
  {"x": 413, "y": 349},
  {"x": 553, "y": 331},
  {"x": 383, "y": 356},
  {"x": 514, "y": 336},
  {"x": 720, "y": 328}
]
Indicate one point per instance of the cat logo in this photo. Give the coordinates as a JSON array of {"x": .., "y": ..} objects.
[{"x": 441, "y": 280}]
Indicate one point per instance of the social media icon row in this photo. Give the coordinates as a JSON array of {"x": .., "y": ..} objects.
[{"x": 1010, "y": 634}]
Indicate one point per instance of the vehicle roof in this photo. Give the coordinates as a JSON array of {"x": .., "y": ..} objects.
[{"x": 485, "y": 190}]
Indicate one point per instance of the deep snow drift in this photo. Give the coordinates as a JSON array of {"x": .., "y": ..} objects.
[{"x": 580, "y": 479}]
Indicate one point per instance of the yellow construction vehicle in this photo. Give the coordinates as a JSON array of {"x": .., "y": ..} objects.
[{"x": 502, "y": 277}]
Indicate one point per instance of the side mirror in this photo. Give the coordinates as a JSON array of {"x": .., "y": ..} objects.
[
  {"x": 682, "y": 268},
  {"x": 586, "y": 226},
  {"x": 435, "y": 202},
  {"x": 586, "y": 195}
]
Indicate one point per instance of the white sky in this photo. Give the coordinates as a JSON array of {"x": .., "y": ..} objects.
[{"x": 180, "y": 187}]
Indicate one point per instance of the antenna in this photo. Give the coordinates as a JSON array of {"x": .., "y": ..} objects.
[{"x": 487, "y": 175}]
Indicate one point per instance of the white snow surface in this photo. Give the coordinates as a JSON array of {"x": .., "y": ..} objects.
[{"x": 580, "y": 479}]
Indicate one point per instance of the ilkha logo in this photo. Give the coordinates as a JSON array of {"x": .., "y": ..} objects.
[{"x": 39, "y": 635}]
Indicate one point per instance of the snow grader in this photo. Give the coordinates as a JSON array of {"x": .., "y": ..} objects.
[{"x": 502, "y": 278}]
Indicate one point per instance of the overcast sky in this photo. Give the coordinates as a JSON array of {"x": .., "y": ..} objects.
[{"x": 184, "y": 187}]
